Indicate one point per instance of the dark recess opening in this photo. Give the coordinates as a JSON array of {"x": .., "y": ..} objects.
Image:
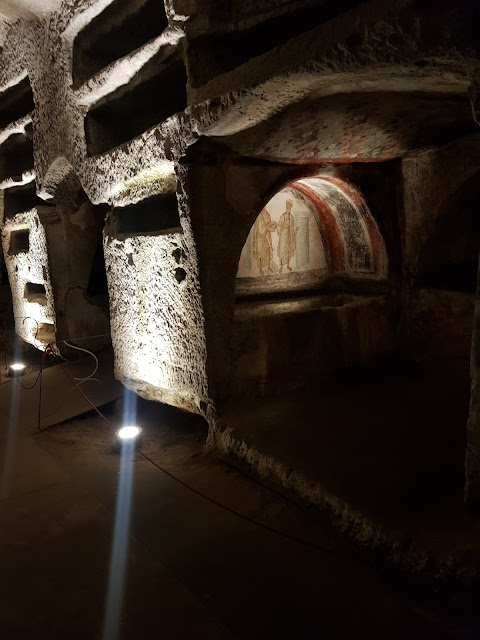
[
  {"x": 97, "y": 281},
  {"x": 457, "y": 277},
  {"x": 216, "y": 54},
  {"x": 125, "y": 25},
  {"x": 35, "y": 292},
  {"x": 3, "y": 269},
  {"x": 16, "y": 102},
  {"x": 180, "y": 274},
  {"x": 450, "y": 257},
  {"x": 16, "y": 156},
  {"x": 18, "y": 199},
  {"x": 46, "y": 332},
  {"x": 158, "y": 214},
  {"x": 19, "y": 242},
  {"x": 131, "y": 110}
]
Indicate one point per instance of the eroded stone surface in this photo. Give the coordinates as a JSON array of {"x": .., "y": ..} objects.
[{"x": 273, "y": 93}]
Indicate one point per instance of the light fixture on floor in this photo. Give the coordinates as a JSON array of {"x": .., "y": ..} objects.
[
  {"x": 16, "y": 369},
  {"x": 130, "y": 435}
]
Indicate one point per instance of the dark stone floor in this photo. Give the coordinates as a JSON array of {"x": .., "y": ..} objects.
[
  {"x": 389, "y": 443},
  {"x": 193, "y": 569}
]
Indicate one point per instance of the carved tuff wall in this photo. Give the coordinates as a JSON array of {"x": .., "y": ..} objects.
[{"x": 162, "y": 132}]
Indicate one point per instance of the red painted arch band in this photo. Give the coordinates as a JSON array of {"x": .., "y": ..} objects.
[
  {"x": 327, "y": 222},
  {"x": 376, "y": 240}
]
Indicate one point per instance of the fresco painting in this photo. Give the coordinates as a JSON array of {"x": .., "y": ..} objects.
[
  {"x": 310, "y": 229},
  {"x": 283, "y": 244},
  {"x": 352, "y": 228}
]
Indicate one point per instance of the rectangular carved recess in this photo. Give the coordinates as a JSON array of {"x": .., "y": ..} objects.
[
  {"x": 155, "y": 215},
  {"x": 19, "y": 242},
  {"x": 46, "y": 332},
  {"x": 19, "y": 199},
  {"x": 35, "y": 292},
  {"x": 16, "y": 155},
  {"x": 16, "y": 102},
  {"x": 97, "y": 281},
  {"x": 212, "y": 55},
  {"x": 159, "y": 92},
  {"x": 123, "y": 27}
]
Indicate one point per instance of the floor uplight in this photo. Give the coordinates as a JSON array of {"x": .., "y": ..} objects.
[
  {"x": 16, "y": 369},
  {"x": 129, "y": 435}
]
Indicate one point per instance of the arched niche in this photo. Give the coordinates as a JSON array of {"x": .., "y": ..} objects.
[
  {"x": 301, "y": 313},
  {"x": 311, "y": 229}
]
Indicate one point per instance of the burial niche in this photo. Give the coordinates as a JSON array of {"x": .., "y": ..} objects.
[{"x": 311, "y": 230}]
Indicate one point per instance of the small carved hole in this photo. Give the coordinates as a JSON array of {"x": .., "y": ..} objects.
[
  {"x": 180, "y": 274},
  {"x": 19, "y": 242}
]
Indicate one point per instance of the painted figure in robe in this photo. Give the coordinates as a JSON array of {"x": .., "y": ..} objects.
[
  {"x": 262, "y": 241},
  {"x": 287, "y": 233}
]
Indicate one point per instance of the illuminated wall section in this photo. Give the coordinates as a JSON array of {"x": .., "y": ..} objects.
[
  {"x": 312, "y": 229},
  {"x": 156, "y": 315},
  {"x": 25, "y": 249}
]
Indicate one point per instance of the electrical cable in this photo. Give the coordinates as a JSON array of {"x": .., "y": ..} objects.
[
  {"x": 7, "y": 354},
  {"x": 17, "y": 378},
  {"x": 72, "y": 346},
  {"x": 51, "y": 346},
  {"x": 7, "y": 349},
  {"x": 199, "y": 493},
  {"x": 37, "y": 330},
  {"x": 77, "y": 385},
  {"x": 99, "y": 335},
  {"x": 78, "y": 381},
  {"x": 57, "y": 408},
  {"x": 48, "y": 351}
]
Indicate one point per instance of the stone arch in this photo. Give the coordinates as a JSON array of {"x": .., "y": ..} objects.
[
  {"x": 333, "y": 232},
  {"x": 294, "y": 328}
]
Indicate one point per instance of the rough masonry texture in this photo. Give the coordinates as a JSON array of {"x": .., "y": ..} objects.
[{"x": 140, "y": 141}]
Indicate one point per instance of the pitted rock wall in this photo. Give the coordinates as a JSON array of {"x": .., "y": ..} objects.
[
  {"x": 177, "y": 315},
  {"x": 34, "y": 321},
  {"x": 157, "y": 316}
]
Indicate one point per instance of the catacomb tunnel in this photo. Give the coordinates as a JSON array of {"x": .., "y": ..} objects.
[{"x": 260, "y": 217}]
